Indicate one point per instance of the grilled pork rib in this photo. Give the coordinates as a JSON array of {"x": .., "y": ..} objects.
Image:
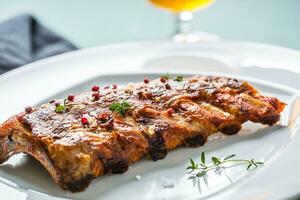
[{"x": 88, "y": 137}]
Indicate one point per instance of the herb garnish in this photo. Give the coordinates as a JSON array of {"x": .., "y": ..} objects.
[
  {"x": 103, "y": 120},
  {"x": 219, "y": 162},
  {"x": 166, "y": 76},
  {"x": 120, "y": 107},
  {"x": 61, "y": 108},
  {"x": 178, "y": 78}
]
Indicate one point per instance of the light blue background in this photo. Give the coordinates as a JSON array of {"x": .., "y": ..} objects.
[{"x": 94, "y": 22}]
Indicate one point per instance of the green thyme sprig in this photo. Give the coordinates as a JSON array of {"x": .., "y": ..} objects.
[
  {"x": 202, "y": 168},
  {"x": 178, "y": 78},
  {"x": 61, "y": 108},
  {"x": 120, "y": 107},
  {"x": 168, "y": 77}
]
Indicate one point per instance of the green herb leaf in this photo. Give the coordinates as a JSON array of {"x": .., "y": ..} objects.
[
  {"x": 203, "y": 165},
  {"x": 229, "y": 156},
  {"x": 60, "y": 109},
  {"x": 102, "y": 121},
  {"x": 249, "y": 166},
  {"x": 125, "y": 104},
  {"x": 215, "y": 160},
  {"x": 120, "y": 107},
  {"x": 178, "y": 78},
  {"x": 167, "y": 76},
  {"x": 252, "y": 161},
  {"x": 201, "y": 173},
  {"x": 259, "y": 163},
  {"x": 113, "y": 106},
  {"x": 193, "y": 163},
  {"x": 203, "y": 157}
]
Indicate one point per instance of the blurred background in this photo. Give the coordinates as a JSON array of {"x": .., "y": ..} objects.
[{"x": 88, "y": 23}]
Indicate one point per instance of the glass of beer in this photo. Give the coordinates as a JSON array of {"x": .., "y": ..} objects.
[{"x": 183, "y": 11}]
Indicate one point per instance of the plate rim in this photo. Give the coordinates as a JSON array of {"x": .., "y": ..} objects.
[
  {"x": 68, "y": 55},
  {"x": 157, "y": 72}
]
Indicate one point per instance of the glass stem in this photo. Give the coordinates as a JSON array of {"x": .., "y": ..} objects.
[{"x": 183, "y": 22}]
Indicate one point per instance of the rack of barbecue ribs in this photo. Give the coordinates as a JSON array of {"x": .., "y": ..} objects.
[{"x": 106, "y": 129}]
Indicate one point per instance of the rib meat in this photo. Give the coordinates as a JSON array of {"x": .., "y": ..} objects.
[{"x": 163, "y": 115}]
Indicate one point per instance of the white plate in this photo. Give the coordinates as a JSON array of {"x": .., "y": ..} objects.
[{"x": 75, "y": 72}]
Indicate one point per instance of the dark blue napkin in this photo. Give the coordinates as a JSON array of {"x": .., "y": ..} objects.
[{"x": 23, "y": 40}]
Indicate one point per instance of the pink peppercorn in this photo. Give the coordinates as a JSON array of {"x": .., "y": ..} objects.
[
  {"x": 95, "y": 88},
  {"x": 28, "y": 109},
  {"x": 168, "y": 87},
  {"x": 71, "y": 97},
  {"x": 146, "y": 81},
  {"x": 170, "y": 111},
  {"x": 84, "y": 121},
  {"x": 163, "y": 80},
  {"x": 96, "y": 96}
]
